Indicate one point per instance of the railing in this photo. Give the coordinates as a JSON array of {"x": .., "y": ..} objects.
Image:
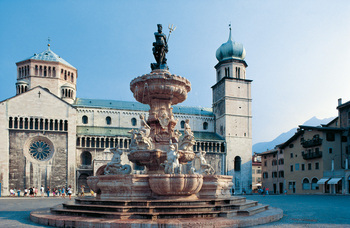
[{"x": 311, "y": 155}]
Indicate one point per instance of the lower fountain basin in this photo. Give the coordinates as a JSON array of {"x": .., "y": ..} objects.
[{"x": 175, "y": 184}]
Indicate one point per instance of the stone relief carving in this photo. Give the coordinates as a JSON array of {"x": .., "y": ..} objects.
[{"x": 114, "y": 167}]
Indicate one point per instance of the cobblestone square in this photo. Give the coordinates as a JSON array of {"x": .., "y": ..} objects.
[{"x": 299, "y": 210}]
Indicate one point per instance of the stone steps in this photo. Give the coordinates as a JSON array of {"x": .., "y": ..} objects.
[
  {"x": 253, "y": 210},
  {"x": 159, "y": 209}
]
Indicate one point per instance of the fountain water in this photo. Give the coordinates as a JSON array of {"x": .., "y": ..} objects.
[{"x": 166, "y": 194}]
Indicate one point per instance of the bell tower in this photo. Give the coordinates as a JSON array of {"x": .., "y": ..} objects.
[
  {"x": 232, "y": 109},
  {"x": 50, "y": 71}
]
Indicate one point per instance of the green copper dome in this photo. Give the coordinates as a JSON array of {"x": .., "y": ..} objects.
[{"x": 230, "y": 50}]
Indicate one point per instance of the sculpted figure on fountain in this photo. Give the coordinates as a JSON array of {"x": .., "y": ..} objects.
[
  {"x": 187, "y": 142},
  {"x": 141, "y": 139},
  {"x": 205, "y": 168},
  {"x": 114, "y": 167},
  {"x": 172, "y": 164}
]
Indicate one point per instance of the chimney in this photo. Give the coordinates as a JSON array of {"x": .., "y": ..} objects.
[{"x": 339, "y": 101}]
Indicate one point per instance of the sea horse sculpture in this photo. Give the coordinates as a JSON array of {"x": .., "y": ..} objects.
[
  {"x": 205, "y": 168},
  {"x": 114, "y": 167}
]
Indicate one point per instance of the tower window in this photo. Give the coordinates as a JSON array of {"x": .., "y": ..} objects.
[
  {"x": 85, "y": 119},
  {"x": 108, "y": 120},
  {"x": 238, "y": 161},
  {"x": 238, "y": 72}
]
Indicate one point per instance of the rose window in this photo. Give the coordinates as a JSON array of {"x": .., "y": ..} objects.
[{"x": 40, "y": 150}]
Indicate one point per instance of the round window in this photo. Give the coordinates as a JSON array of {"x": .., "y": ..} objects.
[{"x": 40, "y": 150}]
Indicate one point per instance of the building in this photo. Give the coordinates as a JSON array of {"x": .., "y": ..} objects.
[
  {"x": 51, "y": 138},
  {"x": 272, "y": 162},
  {"x": 256, "y": 172},
  {"x": 317, "y": 157},
  {"x": 232, "y": 110}
]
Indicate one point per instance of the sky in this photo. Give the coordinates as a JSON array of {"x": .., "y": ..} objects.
[{"x": 298, "y": 52}]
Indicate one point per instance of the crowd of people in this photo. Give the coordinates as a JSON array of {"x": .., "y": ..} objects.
[{"x": 35, "y": 192}]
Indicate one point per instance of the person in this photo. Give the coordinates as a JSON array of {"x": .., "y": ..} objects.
[
  {"x": 35, "y": 191},
  {"x": 12, "y": 192},
  {"x": 31, "y": 192},
  {"x": 59, "y": 192},
  {"x": 42, "y": 191},
  {"x": 92, "y": 192},
  {"x": 48, "y": 191},
  {"x": 263, "y": 191},
  {"x": 25, "y": 192},
  {"x": 82, "y": 190},
  {"x": 267, "y": 191},
  {"x": 69, "y": 191},
  {"x": 63, "y": 193}
]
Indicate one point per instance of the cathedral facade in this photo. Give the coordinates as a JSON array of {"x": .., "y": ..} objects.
[{"x": 51, "y": 138}]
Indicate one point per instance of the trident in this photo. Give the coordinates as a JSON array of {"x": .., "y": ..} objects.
[{"x": 171, "y": 28}]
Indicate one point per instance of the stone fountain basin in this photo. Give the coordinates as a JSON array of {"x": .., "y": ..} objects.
[
  {"x": 216, "y": 187},
  {"x": 175, "y": 184},
  {"x": 160, "y": 84}
]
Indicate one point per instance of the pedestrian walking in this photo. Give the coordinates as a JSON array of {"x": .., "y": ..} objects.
[
  {"x": 25, "y": 192},
  {"x": 63, "y": 193},
  {"x": 69, "y": 191},
  {"x": 42, "y": 191},
  {"x": 35, "y": 191},
  {"x": 82, "y": 190},
  {"x": 48, "y": 191}
]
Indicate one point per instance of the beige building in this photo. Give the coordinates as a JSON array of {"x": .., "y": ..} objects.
[
  {"x": 312, "y": 158},
  {"x": 272, "y": 162},
  {"x": 51, "y": 138},
  {"x": 256, "y": 172}
]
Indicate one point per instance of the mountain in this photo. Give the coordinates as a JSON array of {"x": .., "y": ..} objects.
[{"x": 263, "y": 146}]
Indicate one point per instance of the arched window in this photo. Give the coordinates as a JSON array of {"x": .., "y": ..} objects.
[
  {"x": 85, "y": 119},
  {"x": 182, "y": 124},
  {"x": 314, "y": 185},
  {"x": 108, "y": 120},
  {"x": 238, "y": 161},
  {"x": 10, "y": 122},
  {"x": 306, "y": 184},
  {"x": 133, "y": 121},
  {"x": 205, "y": 126}
]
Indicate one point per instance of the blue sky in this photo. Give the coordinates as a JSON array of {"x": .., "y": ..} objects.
[{"x": 298, "y": 52}]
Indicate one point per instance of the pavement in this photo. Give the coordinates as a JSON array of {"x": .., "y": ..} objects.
[
  {"x": 308, "y": 210},
  {"x": 299, "y": 210}
]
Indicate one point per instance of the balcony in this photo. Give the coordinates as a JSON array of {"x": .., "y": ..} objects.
[
  {"x": 315, "y": 141},
  {"x": 312, "y": 155}
]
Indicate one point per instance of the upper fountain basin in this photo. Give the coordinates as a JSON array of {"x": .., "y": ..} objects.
[{"x": 160, "y": 84}]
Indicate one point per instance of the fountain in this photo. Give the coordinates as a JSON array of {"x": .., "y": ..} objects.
[{"x": 167, "y": 194}]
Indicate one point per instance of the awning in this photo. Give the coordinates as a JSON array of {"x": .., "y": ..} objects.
[
  {"x": 334, "y": 181},
  {"x": 322, "y": 180},
  {"x": 258, "y": 184}
]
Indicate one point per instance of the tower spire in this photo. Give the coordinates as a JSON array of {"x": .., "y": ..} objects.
[{"x": 230, "y": 37}]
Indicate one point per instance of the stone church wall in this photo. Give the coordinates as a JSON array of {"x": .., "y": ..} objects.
[{"x": 26, "y": 171}]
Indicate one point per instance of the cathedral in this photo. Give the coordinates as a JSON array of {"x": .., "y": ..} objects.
[{"x": 51, "y": 138}]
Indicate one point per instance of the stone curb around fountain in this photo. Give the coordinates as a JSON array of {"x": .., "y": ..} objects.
[{"x": 44, "y": 217}]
